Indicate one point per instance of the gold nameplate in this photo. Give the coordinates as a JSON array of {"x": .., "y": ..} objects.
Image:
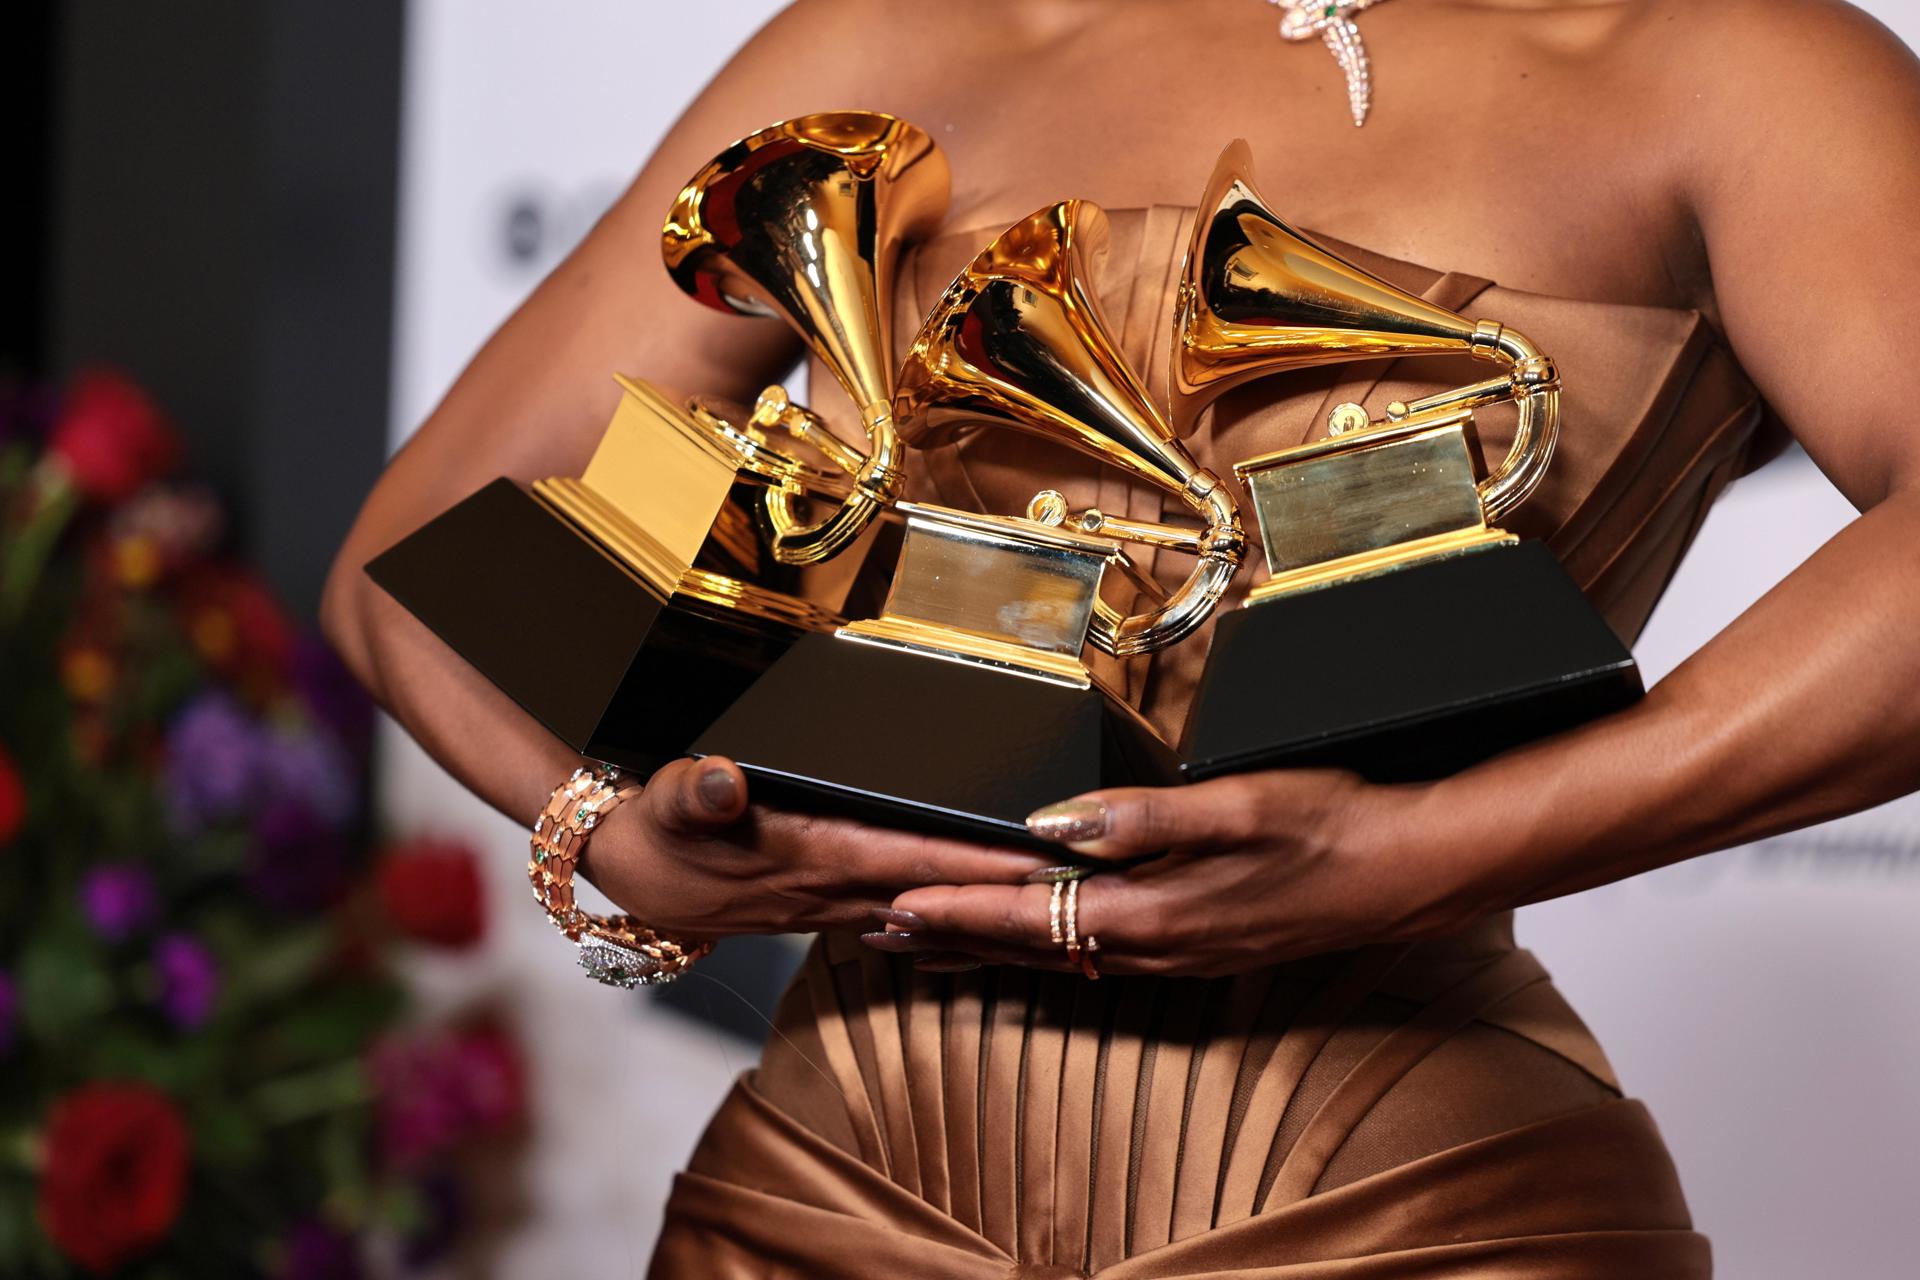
[
  {"x": 1360, "y": 504},
  {"x": 1007, "y": 592}
]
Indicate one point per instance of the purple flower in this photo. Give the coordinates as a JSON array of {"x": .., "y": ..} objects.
[
  {"x": 309, "y": 770},
  {"x": 9, "y": 1005},
  {"x": 316, "y": 1251},
  {"x": 435, "y": 1089},
  {"x": 332, "y": 696},
  {"x": 213, "y": 751},
  {"x": 189, "y": 980},
  {"x": 298, "y": 863},
  {"x": 118, "y": 899}
]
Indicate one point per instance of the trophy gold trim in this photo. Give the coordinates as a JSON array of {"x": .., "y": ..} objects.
[
  {"x": 988, "y": 617},
  {"x": 1422, "y": 636}
]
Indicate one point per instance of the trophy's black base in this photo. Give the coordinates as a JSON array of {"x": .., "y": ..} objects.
[
  {"x": 1410, "y": 675},
  {"x": 945, "y": 747},
  {"x": 569, "y": 633}
]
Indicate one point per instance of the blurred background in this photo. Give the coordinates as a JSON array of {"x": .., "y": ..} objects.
[{"x": 255, "y": 245}]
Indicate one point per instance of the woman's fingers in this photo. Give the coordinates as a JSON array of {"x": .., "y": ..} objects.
[
  {"x": 1018, "y": 916},
  {"x": 903, "y": 860},
  {"x": 1130, "y": 821},
  {"x": 696, "y": 797}
]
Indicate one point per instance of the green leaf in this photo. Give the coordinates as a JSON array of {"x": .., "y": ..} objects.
[
  {"x": 64, "y": 985},
  {"x": 401, "y": 1208},
  {"x": 275, "y": 965},
  {"x": 337, "y": 1022},
  {"x": 25, "y": 554},
  {"x": 172, "y": 1066},
  {"x": 16, "y": 1225},
  {"x": 224, "y": 1135},
  {"x": 335, "y": 1087}
]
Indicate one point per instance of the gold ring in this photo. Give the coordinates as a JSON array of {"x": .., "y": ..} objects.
[
  {"x": 1088, "y": 950},
  {"x": 1053, "y": 910},
  {"x": 1079, "y": 951},
  {"x": 1073, "y": 920}
]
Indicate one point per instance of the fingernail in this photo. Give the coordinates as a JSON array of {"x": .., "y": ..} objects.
[
  {"x": 899, "y": 919},
  {"x": 1070, "y": 821},
  {"x": 1059, "y": 875},
  {"x": 719, "y": 790},
  {"x": 888, "y": 941},
  {"x": 945, "y": 962}
]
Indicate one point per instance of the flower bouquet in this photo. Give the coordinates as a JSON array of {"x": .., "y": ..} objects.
[{"x": 200, "y": 1072}]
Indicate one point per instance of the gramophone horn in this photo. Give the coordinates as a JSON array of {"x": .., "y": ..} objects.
[
  {"x": 805, "y": 220},
  {"x": 1258, "y": 297},
  {"x": 1018, "y": 339}
]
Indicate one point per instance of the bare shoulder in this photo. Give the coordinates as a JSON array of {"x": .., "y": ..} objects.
[
  {"x": 1779, "y": 96},
  {"x": 929, "y": 62},
  {"x": 1814, "y": 61},
  {"x": 877, "y": 46},
  {"x": 1799, "y": 30}
]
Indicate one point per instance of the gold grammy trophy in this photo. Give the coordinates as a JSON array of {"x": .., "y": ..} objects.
[
  {"x": 626, "y": 607},
  {"x": 1400, "y": 632},
  {"x": 989, "y": 614}
]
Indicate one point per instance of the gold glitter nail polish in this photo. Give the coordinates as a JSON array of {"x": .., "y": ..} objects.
[{"x": 1070, "y": 821}]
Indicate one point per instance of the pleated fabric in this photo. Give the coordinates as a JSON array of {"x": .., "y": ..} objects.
[
  {"x": 1426, "y": 1111},
  {"x": 1009, "y": 1123}
]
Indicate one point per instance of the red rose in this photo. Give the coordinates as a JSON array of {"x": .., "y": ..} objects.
[
  {"x": 116, "y": 1173},
  {"x": 110, "y": 437},
  {"x": 13, "y": 800},
  {"x": 236, "y": 625},
  {"x": 431, "y": 890}
]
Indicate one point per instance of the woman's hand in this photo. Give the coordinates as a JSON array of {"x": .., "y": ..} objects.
[
  {"x": 1258, "y": 869},
  {"x": 694, "y": 860}
]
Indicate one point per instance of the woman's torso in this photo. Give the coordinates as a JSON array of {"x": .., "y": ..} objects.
[
  {"x": 1055, "y": 1122},
  {"x": 1051, "y": 1121}
]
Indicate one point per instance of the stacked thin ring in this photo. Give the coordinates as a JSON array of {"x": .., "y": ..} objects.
[{"x": 1063, "y": 928}]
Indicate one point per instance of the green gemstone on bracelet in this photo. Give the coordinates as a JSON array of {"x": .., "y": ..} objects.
[{"x": 580, "y": 815}]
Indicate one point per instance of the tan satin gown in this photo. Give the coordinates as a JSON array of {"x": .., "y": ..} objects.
[{"x": 1434, "y": 1110}]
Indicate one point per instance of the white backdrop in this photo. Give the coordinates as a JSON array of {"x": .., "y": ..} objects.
[{"x": 1761, "y": 999}]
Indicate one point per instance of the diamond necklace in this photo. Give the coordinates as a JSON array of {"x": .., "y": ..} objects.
[{"x": 1332, "y": 21}]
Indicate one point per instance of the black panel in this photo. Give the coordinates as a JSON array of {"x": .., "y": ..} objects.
[
  {"x": 928, "y": 744},
  {"x": 27, "y": 65},
  {"x": 1412, "y": 674},
  {"x": 225, "y": 180},
  {"x": 565, "y": 631}
]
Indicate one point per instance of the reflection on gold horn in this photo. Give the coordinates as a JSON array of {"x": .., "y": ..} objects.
[
  {"x": 1018, "y": 339},
  {"x": 1258, "y": 297},
  {"x": 805, "y": 220}
]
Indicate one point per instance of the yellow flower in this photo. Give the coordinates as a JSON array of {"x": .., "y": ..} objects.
[
  {"x": 136, "y": 562},
  {"x": 86, "y": 673},
  {"x": 214, "y": 634}
]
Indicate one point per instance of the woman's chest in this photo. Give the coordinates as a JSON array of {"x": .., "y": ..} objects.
[{"x": 1483, "y": 153}]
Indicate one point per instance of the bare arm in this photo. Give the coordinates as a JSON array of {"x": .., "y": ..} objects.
[
  {"x": 533, "y": 403},
  {"x": 1802, "y": 165},
  {"x": 1805, "y": 179}
]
